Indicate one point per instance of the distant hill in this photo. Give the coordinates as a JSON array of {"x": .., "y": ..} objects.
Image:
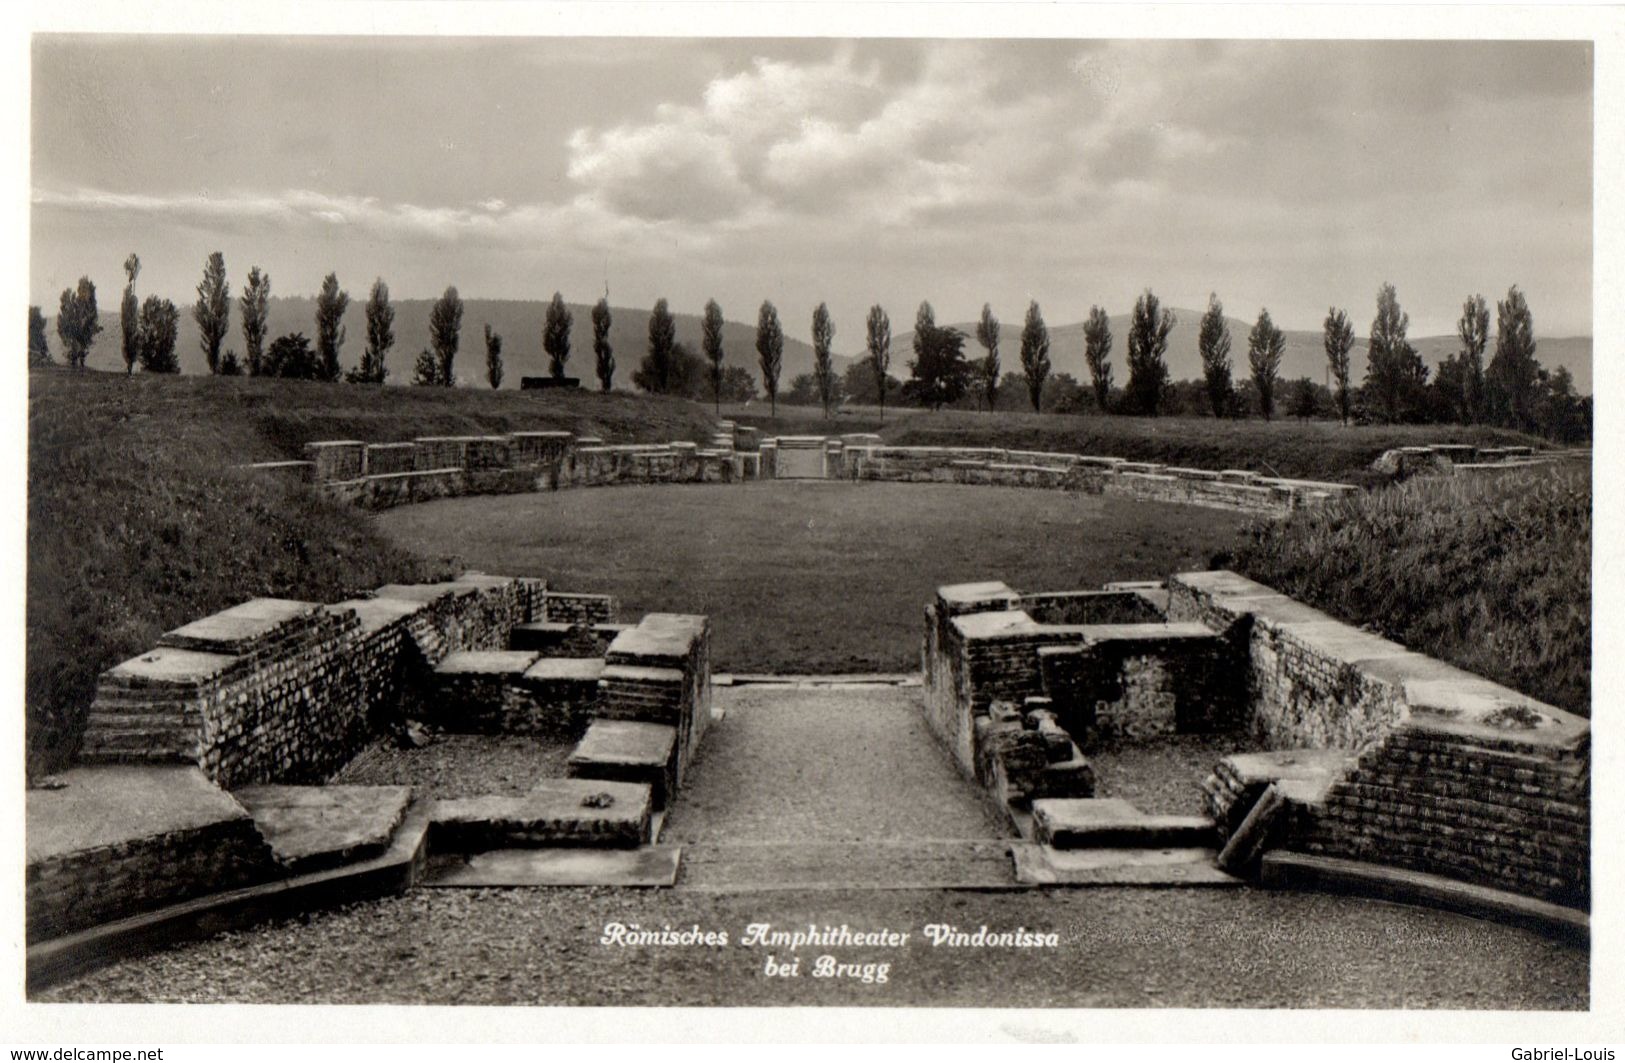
[
  {"x": 518, "y": 321},
  {"x": 1305, "y": 355}
]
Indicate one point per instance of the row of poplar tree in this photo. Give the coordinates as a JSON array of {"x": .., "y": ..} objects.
[{"x": 1511, "y": 389}]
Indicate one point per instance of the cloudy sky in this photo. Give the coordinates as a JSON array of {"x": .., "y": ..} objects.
[{"x": 1284, "y": 174}]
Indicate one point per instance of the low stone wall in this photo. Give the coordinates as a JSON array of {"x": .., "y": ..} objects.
[
  {"x": 114, "y": 842},
  {"x": 1143, "y": 481},
  {"x": 381, "y": 475}
]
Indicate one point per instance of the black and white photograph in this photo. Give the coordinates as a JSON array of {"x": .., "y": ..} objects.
[{"x": 1064, "y": 516}]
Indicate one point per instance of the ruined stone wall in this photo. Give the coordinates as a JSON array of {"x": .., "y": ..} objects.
[
  {"x": 1312, "y": 681},
  {"x": 382, "y": 475},
  {"x": 282, "y": 691},
  {"x": 74, "y": 890},
  {"x": 1143, "y": 481},
  {"x": 1471, "y": 804}
]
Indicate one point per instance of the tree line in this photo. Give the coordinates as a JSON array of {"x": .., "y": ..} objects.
[{"x": 1511, "y": 389}]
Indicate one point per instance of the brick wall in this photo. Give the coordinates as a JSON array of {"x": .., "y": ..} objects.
[
  {"x": 1482, "y": 807},
  {"x": 277, "y": 691},
  {"x": 80, "y": 889}
]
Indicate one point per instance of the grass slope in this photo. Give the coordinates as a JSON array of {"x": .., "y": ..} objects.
[
  {"x": 1492, "y": 574},
  {"x": 138, "y": 522},
  {"x": 811, "y": 577}
]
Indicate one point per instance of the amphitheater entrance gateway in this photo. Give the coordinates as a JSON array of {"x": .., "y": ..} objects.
[{"x": 802, "y": 458}]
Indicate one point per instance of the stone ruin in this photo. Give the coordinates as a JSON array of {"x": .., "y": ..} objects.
[
  {"x": 1376, "y": 756},
  {"x": 202, "y": 759},
  {"x": 200, "y": 773},
  {"x": 382, "y": 475}
]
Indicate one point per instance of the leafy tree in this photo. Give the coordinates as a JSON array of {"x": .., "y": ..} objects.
[
  {"x": 603, "y": 353},
  {"x": 662, "y": 339},
  {"x": 212, "y": 311},
  {"x": 160, "y": 326},
  {"x": 1447, "y": 398},
  {"x": 556, "y": 335},
  {"x": 987, "y": 334},
  {"x": 1097, "y": 352},
  {"x": 770, "y": 351},
  {"x": 685, "y": 374},
  {"x": 426, "y": 370},
  {"x": 230, "y": 364},
  {"x": 291, "y": 356},
  {"x": 711, "y": 341},
  {"x": 939, "y": 372},
  {"x": 1147, "y": 345},
  {"x": 859, "y": 385},
  {"x": 76, "y": 324},
  {"x": 1513, "y": 376},
  {"x": 878, "y": 343},
  {"x": 1265, "y": 346},
  {"x": 331, "y": 303},
  {"x": 823, "y": 331},
  {"x": 445, "y": 329},
  {"x": 1305, "y": 399},
  {"x": 1035, "y": 363},
  {"x": 493, "y": 358},
  {"x": 380, "y": 336},
  {"x": 130, "y": 315},
  {"x": 1394, "y": 375},
  {"x": 1474, "y": 332},
  {"x": 737, "y": 384},
  {"x": 1213, "y": 343},
  {"x": 254, "y": 305},
  {"x": 1563, "y": 414},
  {"x": 39, "y": 347},
  {"x": 1338, "y": 337},
  {"x": 803, "y": 391}
]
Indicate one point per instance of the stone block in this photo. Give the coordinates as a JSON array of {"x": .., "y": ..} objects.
[
  {"x": 629, "y": 751},
  {"x": 312, "y": 827},
  {"x": 590, "y": 812},
  {"x": 1110, "y": 823}
]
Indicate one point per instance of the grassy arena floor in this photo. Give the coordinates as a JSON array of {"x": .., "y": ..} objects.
[{"x": 811, "y": 577}]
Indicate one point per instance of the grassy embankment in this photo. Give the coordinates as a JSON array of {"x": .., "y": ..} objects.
[
  {"x": 1491, "y": 573},
  {"x": 1311, "y": 450},
  {"x": 138, "y": 521}
]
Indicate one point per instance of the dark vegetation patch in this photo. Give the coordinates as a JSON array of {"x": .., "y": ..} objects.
[
  {"x": 138, "y": 521},
  {"x": 812, "y": 577},
  {"x": 1491, "y": 573}
]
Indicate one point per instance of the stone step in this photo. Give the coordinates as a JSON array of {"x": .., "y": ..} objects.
[
  {"x": 647, "y": 866},
  {"x": 629, "y": 751},
  {"x": 588, "y": 812},
  {"x": 1111, "y": 823},
  {"x": 1042, "y": 865},
  {"x": 1284, "y": 869},
  {"x": 314, "y": 827}
]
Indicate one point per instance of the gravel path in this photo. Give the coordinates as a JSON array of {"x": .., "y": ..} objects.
[
  {"x": 1161, "y": 775},
  {"x": 824, "y": 764},
  {"x": 1118, "y": 948},
  {"x": 458, "y": 765}
]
